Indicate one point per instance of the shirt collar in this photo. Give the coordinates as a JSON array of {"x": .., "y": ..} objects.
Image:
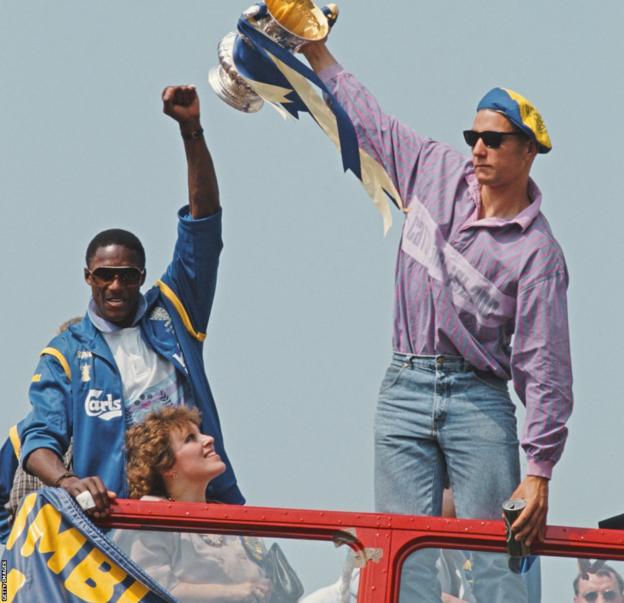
[
  {"x": 524, "y": 219},
  {"x": 105, "y": 326}
]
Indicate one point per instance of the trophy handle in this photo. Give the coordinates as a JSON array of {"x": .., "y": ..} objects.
[
  {"x": 331, "y": 12},
  {"x": 227, "y": 83}
]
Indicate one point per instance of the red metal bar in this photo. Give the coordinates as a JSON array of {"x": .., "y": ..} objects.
[{"x": 384, "y": 541}]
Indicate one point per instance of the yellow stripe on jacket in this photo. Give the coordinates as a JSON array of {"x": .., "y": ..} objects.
[
  {"x": 169, "y": 293},
  {"x": 15, "y": 441},
  {"x": 59, "y": 356}
]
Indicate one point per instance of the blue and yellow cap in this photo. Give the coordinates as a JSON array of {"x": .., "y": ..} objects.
[{"x": 520, "y": 112}]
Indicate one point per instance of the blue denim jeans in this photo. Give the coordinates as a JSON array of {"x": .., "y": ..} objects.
[{"x": 437, "y": 420}]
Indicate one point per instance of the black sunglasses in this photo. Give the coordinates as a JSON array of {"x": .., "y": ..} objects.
[
  {"x": 592, "y": 595},
  {"x": 127, "y": 275},
  {"x": 492, "y": 140}
]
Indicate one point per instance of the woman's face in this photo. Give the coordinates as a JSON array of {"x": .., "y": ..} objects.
[{"x": 195, "y": 456}]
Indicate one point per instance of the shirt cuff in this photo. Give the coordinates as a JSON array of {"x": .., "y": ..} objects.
[
  {"x": 187, "y": 221},
  {"x": 329, "y": 73},
  {"x": 540, "y": 468}
]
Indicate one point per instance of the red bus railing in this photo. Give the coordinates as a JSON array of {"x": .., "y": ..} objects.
[{"x": 381, "y": 542}]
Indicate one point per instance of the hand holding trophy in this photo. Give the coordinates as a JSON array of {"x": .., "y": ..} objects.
[{"x": 289, "y": 23}]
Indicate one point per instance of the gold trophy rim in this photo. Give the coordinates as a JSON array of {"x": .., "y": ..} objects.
[{"x": 321, "y": 18}]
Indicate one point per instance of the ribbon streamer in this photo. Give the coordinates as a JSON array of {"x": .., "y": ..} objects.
[{"x": 281, "y": 79}]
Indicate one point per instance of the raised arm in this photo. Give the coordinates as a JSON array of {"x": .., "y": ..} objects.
[
  {"x": 182, "y": 104},
  {"x": 412, "y": 161},
  {"x": 318, "y": 56}
]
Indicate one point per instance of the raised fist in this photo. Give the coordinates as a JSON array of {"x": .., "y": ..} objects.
[{"x": 181, "y": 103}]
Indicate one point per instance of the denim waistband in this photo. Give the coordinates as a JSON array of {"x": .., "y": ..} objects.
[{"x": 448, "y": 362}]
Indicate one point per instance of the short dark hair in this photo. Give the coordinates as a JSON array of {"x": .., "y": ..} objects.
[
  {"x": 605, "y": 570},
  {"x": 116, "y": 236}
]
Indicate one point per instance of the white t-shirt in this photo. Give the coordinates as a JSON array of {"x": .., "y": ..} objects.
[{"x": 149, "y": 381}]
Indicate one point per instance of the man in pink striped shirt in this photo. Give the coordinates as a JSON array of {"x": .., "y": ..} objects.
[{"x": 478, "y": 265}]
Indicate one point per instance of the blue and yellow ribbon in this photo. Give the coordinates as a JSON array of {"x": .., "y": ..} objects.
[{"x": 281, "y": 79}]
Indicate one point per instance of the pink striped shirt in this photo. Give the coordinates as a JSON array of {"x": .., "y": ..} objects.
[{"x": 465, "y": 286}]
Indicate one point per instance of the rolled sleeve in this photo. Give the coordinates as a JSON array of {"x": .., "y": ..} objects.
[
  {"x": 541, "y": 369},
  {"x": 408, "y": 158},
  {"x": 330, "y": 73}
]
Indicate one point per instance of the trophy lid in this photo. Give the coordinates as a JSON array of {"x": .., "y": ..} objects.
[{"x": 301, "y": 18}]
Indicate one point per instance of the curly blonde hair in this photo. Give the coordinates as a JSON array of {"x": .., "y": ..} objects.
[{"x": 149, "y": 452}]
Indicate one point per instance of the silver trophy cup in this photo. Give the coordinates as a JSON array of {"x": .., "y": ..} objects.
[{"x": 289, "y": 23}]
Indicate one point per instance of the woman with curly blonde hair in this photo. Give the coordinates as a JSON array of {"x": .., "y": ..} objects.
[{"x": 168, "y": 458}]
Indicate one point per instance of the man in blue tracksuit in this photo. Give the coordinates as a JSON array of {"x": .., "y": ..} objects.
[{"x": 131, "y": 354}]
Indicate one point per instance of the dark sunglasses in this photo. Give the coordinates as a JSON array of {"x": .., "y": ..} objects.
[
  {"x": 127, "y": 275},
  {"x": 492, "y": 140},
  {"x": 592, "y": 595}
]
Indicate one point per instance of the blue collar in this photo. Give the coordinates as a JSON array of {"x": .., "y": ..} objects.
[{"x": 105, "y": 326}]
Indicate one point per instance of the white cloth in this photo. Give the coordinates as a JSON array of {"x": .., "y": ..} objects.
[{"x": 149, "y": 381}]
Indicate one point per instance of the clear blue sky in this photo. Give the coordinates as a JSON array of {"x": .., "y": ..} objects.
[{"x": 301, "y": 328}]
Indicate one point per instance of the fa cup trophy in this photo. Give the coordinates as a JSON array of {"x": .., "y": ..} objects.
[{"x": 289, "y": 23}]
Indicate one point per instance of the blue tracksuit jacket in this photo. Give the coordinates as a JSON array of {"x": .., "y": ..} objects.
[{"x": 76, "y": 390}]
